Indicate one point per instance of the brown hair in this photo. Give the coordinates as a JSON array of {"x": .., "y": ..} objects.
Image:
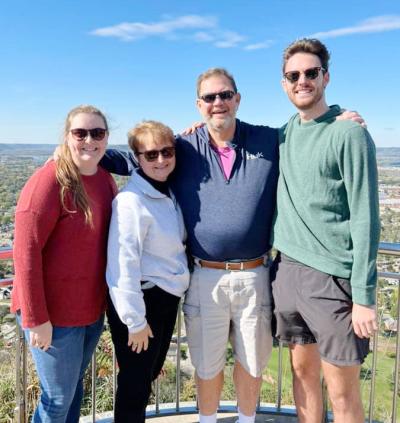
[
  {"x": 215, "y": 72},
  {"x": 67, "y": 173},
  {"x": 307, "y": 45},
  {"x": 141, "y": 132}
]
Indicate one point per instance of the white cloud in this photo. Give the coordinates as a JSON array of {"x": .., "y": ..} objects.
[
  {"x": 258, "y": 46},
  {"x": 201, "y": 29},
  {"x": 376, "y": 24},
  {"x": 131, "y": 31},
  {"x": 229, "y": 39},
  {"x": 203, "y": 37}
]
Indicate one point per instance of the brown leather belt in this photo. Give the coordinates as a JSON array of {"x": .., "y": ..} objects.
[{"x": 232, "y": 265}]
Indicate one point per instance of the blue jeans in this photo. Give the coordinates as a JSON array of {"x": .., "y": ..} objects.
[{"x": 61, "y": 369}]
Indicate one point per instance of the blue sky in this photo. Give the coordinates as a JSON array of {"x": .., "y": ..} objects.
[{"x": 140, "y": 59}]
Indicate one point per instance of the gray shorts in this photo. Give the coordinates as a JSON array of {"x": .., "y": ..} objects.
[
  {"x": 315, "y": 307},
  {"x": 222, "y": 305}
]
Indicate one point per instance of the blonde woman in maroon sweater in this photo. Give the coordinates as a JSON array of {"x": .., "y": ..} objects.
[{"x": 59, "y": 294}]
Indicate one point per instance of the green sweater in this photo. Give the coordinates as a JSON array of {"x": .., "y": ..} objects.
[{"x": 328, "y": 211}]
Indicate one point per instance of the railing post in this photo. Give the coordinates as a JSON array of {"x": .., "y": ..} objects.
[
  {"x": 93, "y": 372},
  {"x": 178, "y": 356},
  {"x": 324, "y": 401},
  {"x": 114, "y": 360},
  {"x": 20, "y": 377},
  {"x": 157, "y": 383},
  {"x": 397, "y": 364},
  {"x": 373, "y": 372},
  {"x": 280, "y": 360}
]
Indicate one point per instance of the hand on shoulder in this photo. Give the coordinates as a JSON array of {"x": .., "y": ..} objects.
[{"x": 353, "y": 116}]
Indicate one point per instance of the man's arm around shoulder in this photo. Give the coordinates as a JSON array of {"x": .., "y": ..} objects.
[{"x": 118, "y": 162}]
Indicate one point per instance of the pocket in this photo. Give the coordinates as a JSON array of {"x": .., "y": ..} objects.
[
  {"x": 344, "y": 286},
  {"x": 266, "y": 312},
  {"x": 191, "y": 311},
  {"x": 268, "y": 320},
  {"x": 192, "y": 295}
]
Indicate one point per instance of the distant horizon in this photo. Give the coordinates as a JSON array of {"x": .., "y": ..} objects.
[{"x": 126, "y": 145}]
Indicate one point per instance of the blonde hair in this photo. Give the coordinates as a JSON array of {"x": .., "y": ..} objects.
[
  {"x": 141, "y": 132},
  {"x": 67, "y": 173}
]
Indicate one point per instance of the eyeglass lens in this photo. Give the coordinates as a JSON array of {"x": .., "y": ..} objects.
[
  {"x": 311, "y": 73},
  {"x": 96, "y": 134},
  {"x": 152, "y": 155},
  {"x": 224, "y": 95}
]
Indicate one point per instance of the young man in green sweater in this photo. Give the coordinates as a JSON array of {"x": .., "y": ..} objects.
[{"x": 327, "y": 231}]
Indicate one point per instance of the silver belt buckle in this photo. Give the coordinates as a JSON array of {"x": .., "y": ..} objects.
[{"x": 228, "y": 264}]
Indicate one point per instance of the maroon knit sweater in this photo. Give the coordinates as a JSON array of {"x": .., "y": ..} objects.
[{"x": 60, "y": 260}]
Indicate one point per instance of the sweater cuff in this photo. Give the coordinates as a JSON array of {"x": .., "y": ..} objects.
[
  {"x": 135, "y": 328},
  {"x": 364, "y": 296}
]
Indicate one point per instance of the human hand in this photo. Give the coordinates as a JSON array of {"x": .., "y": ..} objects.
[
  {"x": 40, "y": 336},
  {"x": 140, "y": 340},
  {"x": 364, "y": 320},
  {"x": 352, "y": 115},
  {"x": 192, "y": 129}
]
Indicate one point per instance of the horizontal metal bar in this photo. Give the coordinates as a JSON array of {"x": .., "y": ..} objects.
[
  {"x": 6, "y": 253},
  {"x": 6, "y": 282},
  {"x": 390, "y": 248}
]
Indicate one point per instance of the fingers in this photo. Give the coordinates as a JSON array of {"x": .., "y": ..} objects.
[
  {"x": 189, "y": 131},
  {"x": 364, "y": 320},
  {"x": 139, "y": 341},
  {"x": 355, "y": 117},
  {"x": 192, "y": 129},
  {"x": 140, "y": 346},
  {"x": 359, "y": 120},
  {"x": 352, "y": 115},
  {"x": 40, "y": 344},
  {"x": 45, "y": 347},
  {"x": 145, "y": 345},
  {"x": 365, "y": 329}
]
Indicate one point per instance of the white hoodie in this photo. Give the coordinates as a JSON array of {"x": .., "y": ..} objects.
[{"x": 145, "y": 243}]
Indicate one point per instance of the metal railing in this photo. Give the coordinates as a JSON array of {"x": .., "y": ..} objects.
[{"x": 177, "y": 408}]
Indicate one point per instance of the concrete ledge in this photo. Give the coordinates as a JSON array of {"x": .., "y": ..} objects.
[{"x": 188, "y": 414}]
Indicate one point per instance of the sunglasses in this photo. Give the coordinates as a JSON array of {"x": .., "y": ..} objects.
[
  {"x": 224, "y": 95},
  {"x": 152, "y": 155},
  {"x": 311, "y": 73},
  {"x": 97, "y": 134}
]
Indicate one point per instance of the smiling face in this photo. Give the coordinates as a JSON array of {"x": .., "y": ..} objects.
[
  {"x": 161, "y": 167},
  {"x": 308, "y": 95},
  {"x": 86, "y": 153},
  {"x": 219, "y": 115}
]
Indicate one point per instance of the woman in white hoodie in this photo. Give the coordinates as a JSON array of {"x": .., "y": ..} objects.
[{"x": 147, "y": 269}]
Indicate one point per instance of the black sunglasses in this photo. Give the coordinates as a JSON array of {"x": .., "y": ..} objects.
[
  {"x": 223, "y": 95},
  {"x": 80, "y": 134},
  {"x": 152, "y": 155},
  {"x": 311, "y": 73}
]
